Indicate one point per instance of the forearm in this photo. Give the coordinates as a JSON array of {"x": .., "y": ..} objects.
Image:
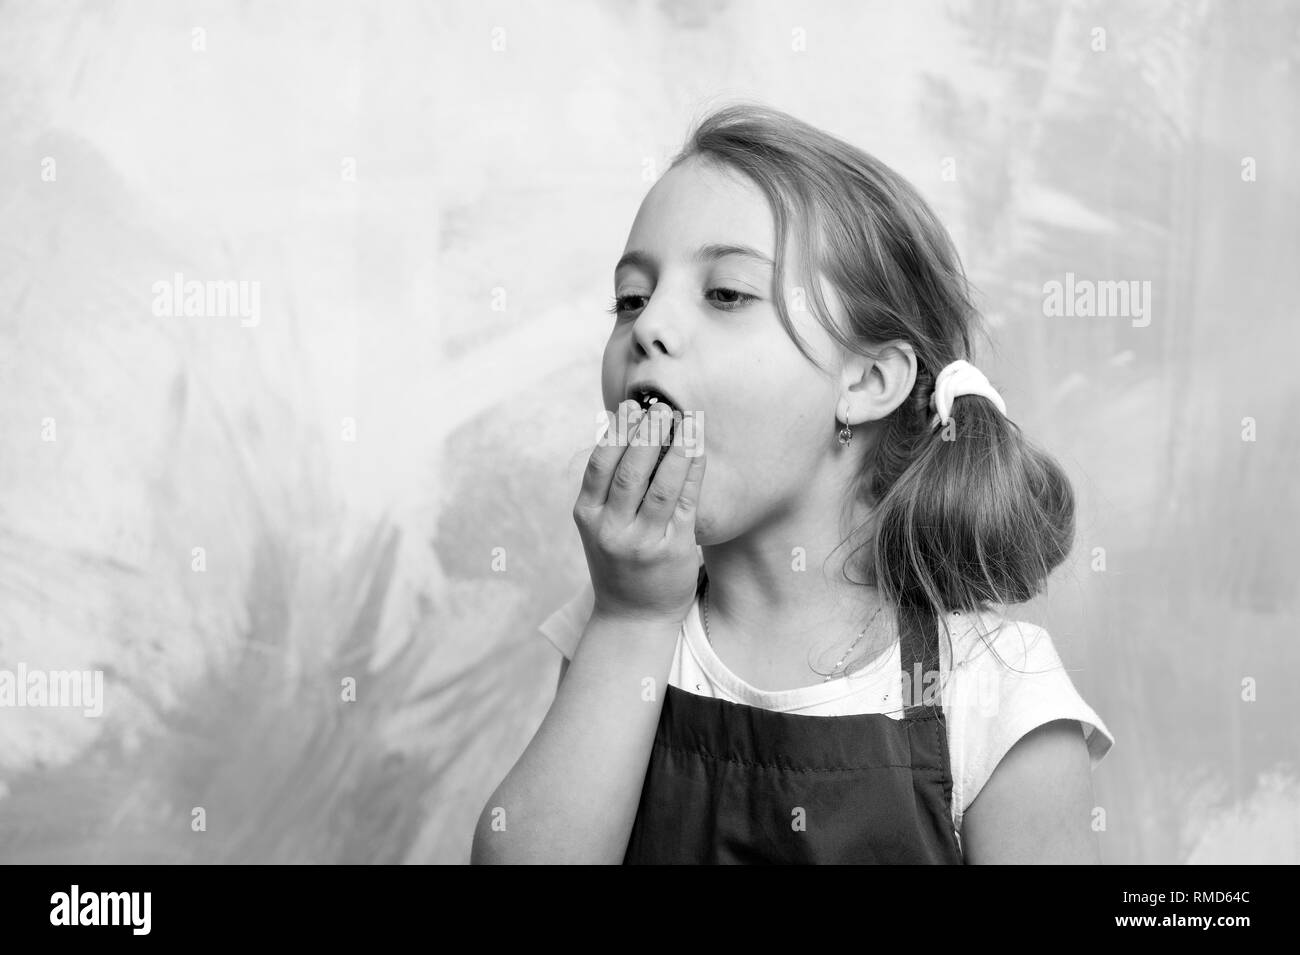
[{"x": 573, "y": 794}]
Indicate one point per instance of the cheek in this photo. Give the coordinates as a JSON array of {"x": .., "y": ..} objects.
[
  {"x": 612, "y": 374},
  {"x": 767, "y": 445},
  {"x": 795, "y": 405},
  {"x": 790, "y": 445},
  {"x": 775, "y": 411}
]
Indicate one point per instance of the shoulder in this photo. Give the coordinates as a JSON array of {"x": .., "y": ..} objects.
[
  {"x": 988, "y": 640},
  {"x": 1007, "y": 680}
]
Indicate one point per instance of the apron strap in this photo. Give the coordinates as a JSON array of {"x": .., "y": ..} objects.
[{"x": 918, "y": 651}]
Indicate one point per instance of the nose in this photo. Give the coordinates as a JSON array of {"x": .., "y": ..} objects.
[{"x": 656, "y": 330}]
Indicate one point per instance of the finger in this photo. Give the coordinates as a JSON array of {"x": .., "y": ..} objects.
[
  {"x": 600, "y": 466},
  {"x": 633, "y": 473},
  {"x": 665, "y": 487},
  {"x": 688, "y": 502}
]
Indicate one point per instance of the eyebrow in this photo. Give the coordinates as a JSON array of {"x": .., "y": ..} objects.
[{"x": 705, "y": 253}]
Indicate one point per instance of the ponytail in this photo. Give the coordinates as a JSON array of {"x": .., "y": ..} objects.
[{"x": 978, "y": 516}]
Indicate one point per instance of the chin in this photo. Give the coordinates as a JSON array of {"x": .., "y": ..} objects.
[
  {"x": 709, "y": 530},
  {"x": 704, "y": 534}
]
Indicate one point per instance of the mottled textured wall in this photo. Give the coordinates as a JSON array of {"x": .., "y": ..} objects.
[{"x": 431, "y": 198}]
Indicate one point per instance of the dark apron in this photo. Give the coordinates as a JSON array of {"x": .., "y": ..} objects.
[{"x": 732, "y": 783}]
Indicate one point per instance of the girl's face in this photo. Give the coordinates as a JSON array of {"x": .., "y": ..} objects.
[{"x": 696, "y": 317}]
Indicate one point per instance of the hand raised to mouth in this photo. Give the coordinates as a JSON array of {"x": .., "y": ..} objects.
[{"x": 636, "y": 517}]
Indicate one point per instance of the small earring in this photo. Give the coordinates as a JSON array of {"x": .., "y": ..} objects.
[{"x": 846, "y": 435}]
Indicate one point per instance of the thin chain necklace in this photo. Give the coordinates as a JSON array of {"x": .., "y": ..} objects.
[{"x": 704, "y": 602}]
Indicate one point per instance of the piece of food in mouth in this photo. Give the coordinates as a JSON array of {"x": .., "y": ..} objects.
[{"x": 647, "y": 400}]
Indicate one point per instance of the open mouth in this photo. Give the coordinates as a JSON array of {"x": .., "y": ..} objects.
[{"x": 647, "y": 397}]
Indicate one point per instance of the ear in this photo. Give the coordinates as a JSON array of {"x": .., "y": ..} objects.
[{"x": 871, "y": 388}]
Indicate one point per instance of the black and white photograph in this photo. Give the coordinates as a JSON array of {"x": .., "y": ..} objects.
[{"x": 649, "y": 432}]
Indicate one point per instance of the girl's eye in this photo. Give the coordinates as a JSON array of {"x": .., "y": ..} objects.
[
  {"x": 728, "y": 300},
  {"x": 624, "y": 303},
  {"x": 732, "y": 298}
]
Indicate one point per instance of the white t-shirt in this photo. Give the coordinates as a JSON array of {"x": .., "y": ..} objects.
[{"x": 990, "y": 700}]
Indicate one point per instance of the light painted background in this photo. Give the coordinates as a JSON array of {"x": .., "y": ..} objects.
[{"x": 449, "y": 300}]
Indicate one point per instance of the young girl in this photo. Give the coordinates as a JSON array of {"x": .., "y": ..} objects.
[{"x": 797, "y": 658}]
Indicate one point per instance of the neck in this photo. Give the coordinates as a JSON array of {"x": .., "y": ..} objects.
[{"x": 783, "y": 583}]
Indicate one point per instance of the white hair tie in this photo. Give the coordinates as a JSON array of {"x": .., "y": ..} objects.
[{"x": 957, "y": 379}]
